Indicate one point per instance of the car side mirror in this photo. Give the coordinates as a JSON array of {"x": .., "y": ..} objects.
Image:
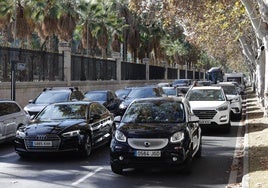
[{"x": 117, "y": 119}]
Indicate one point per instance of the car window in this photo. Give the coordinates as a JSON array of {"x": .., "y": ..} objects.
[
  {"x": 229, "y": 90},
  {"x": 63, "y": 111},
  {"x": 8, "y": 108},
  {"x": 145, "y": 92},
  {"x": 205, "y": 95},
  {"x": 52, "y": 97},
  {"x": 155, "y": 112},
  {"x": 96, "y": 96}
]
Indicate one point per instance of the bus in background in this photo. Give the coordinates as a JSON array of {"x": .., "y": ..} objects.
[{"x": 215, "y": 74}]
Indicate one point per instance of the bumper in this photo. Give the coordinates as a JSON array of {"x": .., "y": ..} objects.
[
  {"x": 74, "y": 144},
  {"x": 125, "y": 157}
]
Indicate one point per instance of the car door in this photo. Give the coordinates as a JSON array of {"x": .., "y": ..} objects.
[{"x": 11, "y": 116}]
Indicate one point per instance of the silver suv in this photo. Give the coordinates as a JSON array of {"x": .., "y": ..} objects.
[
  {"x": 210, "y": 104},
  {"x": 12, "y": 116}
]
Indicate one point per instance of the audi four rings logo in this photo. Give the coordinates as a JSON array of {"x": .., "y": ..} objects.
[
  {"x": 147, "y": 144},
  {"x": 41, "y": 137}
]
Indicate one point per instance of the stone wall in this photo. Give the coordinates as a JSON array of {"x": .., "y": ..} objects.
[{"x": 29, "y": 90}]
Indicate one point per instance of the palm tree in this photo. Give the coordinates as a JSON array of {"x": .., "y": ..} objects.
[{"x": 18, "y": 16}]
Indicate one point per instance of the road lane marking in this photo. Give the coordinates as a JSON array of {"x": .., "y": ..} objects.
[{"x": 87, "y": 176}]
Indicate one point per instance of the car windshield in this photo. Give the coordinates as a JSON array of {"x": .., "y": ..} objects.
[
  {"x": 155, "y": 112},
  {"x": 96, "y": 96},
  {"x": 229, "y": 90},
  {"x": 63, "y": 111},
  {"x": 122, "y": 93},
  {"x": 170, "y": 91},
  {"x": 52, "y": 97},
  {"x": 143, "y": 93},
  {"x": 182, "y": 82},
  {"x": 205, "y": 95}
]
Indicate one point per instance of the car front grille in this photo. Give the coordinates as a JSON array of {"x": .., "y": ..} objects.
[
  {"x": 205, "y": 114},
  {"x": 148, "y": 144},
  {"x": 55, "y": 139}
]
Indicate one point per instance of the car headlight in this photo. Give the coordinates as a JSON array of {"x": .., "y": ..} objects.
[
  {"x": 71, "y": 133},
  {"x": 177, "y": 137},
  {"x": 20, "y": 134},
  {"x": 223, "y": 107},
  {"x": 119, "y": 136}
]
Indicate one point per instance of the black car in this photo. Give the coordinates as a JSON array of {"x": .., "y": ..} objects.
[
  {"x": 122, "y": 93},
  {"x": 140, "y": 92},
  {"x": 52, "y": 95},
  {"x": 105, "y": 97},
  {"x": 156, "y": 132},
  {"x": 66, "y": 127}
]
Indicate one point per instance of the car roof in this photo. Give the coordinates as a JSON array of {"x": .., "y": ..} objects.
[
  {"x": 226, "y": 83},
  {"x": 75, "y": 102},
  {"x": 178, "y": 99},
  {"x": 207, "y": 87}
]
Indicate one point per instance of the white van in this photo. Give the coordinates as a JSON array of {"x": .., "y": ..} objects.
[{"x": 11, "y": 117}]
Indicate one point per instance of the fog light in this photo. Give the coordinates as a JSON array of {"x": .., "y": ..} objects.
[
  {"x": 121, "y": 158},
  {"x": 223, "y": 118},
  {"x": 174, "y": 159}
]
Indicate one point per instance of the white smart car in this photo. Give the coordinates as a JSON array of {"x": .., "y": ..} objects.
[{"x": 210, "y": 104}]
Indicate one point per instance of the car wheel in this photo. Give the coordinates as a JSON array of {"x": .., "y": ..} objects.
[
  {"x": 87, "y": 147},
  {"x": 116, "y": 169}
]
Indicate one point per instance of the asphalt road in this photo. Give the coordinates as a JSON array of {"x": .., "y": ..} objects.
[{"x": 212, "y": 170}]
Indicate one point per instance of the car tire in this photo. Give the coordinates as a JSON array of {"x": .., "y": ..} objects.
[
  {"x": 117, "y": 169},
  {"x": 87, "y": 146}
]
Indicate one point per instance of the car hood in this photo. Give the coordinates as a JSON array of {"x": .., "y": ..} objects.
[
  {"x": 196, "y": 105},
  {"x": 150, "y": 130},
  {"x": 54, "y": 127},
  {"x": 34, "y": 107}
]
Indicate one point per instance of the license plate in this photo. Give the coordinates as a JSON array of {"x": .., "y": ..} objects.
[
  {"x": 204, "y": 121},
  {"x": 142, "y": 153},
  {"x": 42, "y": 143}
]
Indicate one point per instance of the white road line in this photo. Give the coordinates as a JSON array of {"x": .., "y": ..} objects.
[{"x": 87, "y": 176}]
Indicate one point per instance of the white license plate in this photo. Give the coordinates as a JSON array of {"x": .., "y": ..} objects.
[
  {"x": 42, "y": 143},
  {"x": 142, "y": 153},
  {"x": 204, "y": 121}
]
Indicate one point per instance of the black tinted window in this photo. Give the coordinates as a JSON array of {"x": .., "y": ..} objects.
[{"x": 8, "y": 108}]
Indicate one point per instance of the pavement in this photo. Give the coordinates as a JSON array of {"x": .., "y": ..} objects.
[{"x": 255, "y": 158}]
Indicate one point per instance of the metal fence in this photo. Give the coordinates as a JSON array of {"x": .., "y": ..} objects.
[
  {"x": 30, "y": 65},
  {"x": 46, "y": 66},
  {"x": 133, "y": 71},
  {"x": 86, "y": 68}
]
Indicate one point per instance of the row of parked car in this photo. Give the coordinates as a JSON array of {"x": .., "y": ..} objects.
[{"x": 143, "y": 125}]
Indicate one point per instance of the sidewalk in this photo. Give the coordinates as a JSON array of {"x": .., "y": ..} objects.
[{"x": 256, "y": 144}]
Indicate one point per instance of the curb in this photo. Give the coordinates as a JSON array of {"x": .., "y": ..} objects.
[{"x": 245, "y": 179}]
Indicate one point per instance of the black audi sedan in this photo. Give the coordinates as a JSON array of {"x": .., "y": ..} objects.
[
  {"x": 156, "y": 132},
  {"x": 66, "y": 127}
]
